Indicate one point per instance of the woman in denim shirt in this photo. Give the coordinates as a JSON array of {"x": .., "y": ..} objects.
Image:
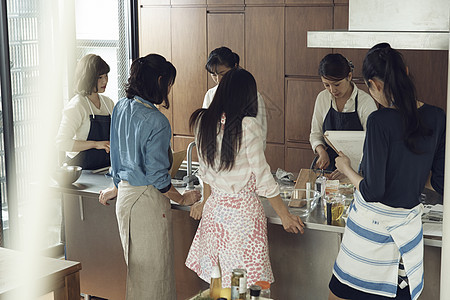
[{"x": 140, "y": 147}]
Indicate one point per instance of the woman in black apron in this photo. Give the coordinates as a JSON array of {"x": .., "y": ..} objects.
[
  {"x": 85, "y": 126},
  {"x": 341, "y": 106}
]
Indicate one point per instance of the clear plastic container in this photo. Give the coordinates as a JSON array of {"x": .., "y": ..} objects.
[{"x": 265, "y": 288}]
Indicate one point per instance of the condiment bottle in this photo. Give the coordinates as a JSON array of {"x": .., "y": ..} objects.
[
  {"x": 216, "y": 283},
  {"x": 265, "y": 288},
  {"x": 235, "y": 283},
  {"x": 320, "y": 183},
  {"x": 255, "y": 291}
]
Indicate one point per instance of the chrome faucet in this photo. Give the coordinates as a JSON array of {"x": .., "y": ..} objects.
[{"x": 190, "y": 177}]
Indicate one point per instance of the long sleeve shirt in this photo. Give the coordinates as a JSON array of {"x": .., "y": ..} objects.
[
  {"x": 366, "y": 105},
  {"x": 75, "y": 122},
  {"x": 140, "y": 141},
  {"x": 394, "y": 175},
  {"x": 250, "y": 159},
  {"x": 261, "y": 116}
]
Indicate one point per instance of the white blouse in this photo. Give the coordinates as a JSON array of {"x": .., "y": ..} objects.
[
  {"x": 75, "y": 122},
  {"x": 250, "y": 159},
  {"x": 261, "y": 117},
  {"x": 366, "y": 105}
]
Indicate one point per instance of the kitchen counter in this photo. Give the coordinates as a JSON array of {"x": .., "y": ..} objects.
[
  {"x": 90, "y": 225},
  {"x": 90, "y": 184}
]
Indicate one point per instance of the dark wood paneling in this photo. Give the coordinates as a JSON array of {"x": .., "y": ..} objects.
[
  {"x": 275, "y": 156},
  {"x": 310, "y": 2},
  {"x": 299, "y": 158},
  {"x": 428, "y": 68},
  {"x": 355, "y": 55},
  {"x": 301, "y": 60},
  {"x": 155, "y": 37},
  {"x": 226, "y": 30},
  {"x": 184, "y": 229},
  {"x": 264, "y": 53},
  {"x": 188, "y": 56},
  {"x": 300, "y": 99},
  {"x": 429, "y": 72},
  {"x": 267, "y": 2},
  {"x": 182, "y": 142}
]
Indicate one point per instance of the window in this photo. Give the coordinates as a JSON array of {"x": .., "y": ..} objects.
[{"x": 41, "y": 68}]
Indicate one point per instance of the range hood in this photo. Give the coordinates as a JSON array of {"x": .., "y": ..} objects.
[{"x": 405, "y": 24}]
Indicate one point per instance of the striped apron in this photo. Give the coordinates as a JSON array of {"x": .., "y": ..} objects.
[
  {"x": 145, "y": 226},
  {"x": 376, "y": 238}
]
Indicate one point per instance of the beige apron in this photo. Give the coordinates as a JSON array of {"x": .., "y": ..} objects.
[{"x": 145, "y": 225}]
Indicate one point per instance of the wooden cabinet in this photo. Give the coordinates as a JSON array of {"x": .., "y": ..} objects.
[
  {"x": 182, "y": 142},
  {"x": 310, "y": 2},
  {"x": 300, "y": 100},
  {"x": 187, "y": 2},
  {"x": 263, "y": 2},
  {"x": 189, "y": 56},
  {"x": 155, "y": 37},
  {"x": 264, "y": 55},
  {"x": 301, "y": 60},
  {"x": 429, "y": 73},
  {"x": 428, "y": 68},
  {"x": 275, "y": 156},
  {"x": 354, "y": 55},
  {"x": 226, "y": 29},
  {"x": 299, "y": 157},
  {"x": 225, "y": 2},
  {"x": 153, "y": 2}
]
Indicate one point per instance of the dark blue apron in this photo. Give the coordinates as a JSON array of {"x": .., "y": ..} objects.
[
  {"x": 93, "y": 159},
  {"x": 335, "y": 120}
]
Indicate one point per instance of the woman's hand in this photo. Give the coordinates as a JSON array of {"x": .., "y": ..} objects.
[
  {"x": 292, "y": 223},
  {"x": 324, "y": 160},
  {"x": 107, "y": 194},
  {"x": 102, "y": 145},
  {"x": 343, "y": 163},
  {"x": 190, "y": 197},
  {"x": 197, "y": 210}
]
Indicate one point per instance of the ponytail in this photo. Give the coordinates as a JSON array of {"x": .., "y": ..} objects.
[
  {"x": 221, "y": 56},
  {"x": 151, "y": 77},
  {"x": 386, "y": 64}
]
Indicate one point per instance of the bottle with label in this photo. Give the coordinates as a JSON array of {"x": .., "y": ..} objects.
[
  {"x": 216, "y": 283},
  {"x": 235, "y": 283}
]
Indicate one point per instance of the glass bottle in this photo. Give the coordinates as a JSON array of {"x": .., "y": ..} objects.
[
  {"x": 320, "y": 185},
  {"x": 216, "y": 283}
]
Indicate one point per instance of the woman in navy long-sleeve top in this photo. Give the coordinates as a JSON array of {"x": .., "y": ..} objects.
[{"x": 381, "y": 255}]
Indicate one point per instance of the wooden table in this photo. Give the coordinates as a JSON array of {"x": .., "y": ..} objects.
[{"x": 27, "y": 276}]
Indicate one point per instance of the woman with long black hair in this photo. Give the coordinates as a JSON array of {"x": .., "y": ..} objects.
[
  {"x": 233, "y": 226},
  {"x": 381, "y": 255}
]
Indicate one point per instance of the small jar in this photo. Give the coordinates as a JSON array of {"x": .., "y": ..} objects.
[
  {"x": 265, "y": 288},
  {"x": 255, "y": 292}
]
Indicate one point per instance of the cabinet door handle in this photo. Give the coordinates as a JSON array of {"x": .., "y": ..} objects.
[{"x": 80, "y": 200}]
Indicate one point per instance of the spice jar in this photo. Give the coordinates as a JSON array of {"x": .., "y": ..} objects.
[
  {"x": 265, "y": 288},
  {"x": 255, "y": 292},
  {"x": 237, "y": 280}
]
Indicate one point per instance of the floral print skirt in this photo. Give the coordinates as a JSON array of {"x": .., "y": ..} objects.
[{"x": 232, "y": 232}]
